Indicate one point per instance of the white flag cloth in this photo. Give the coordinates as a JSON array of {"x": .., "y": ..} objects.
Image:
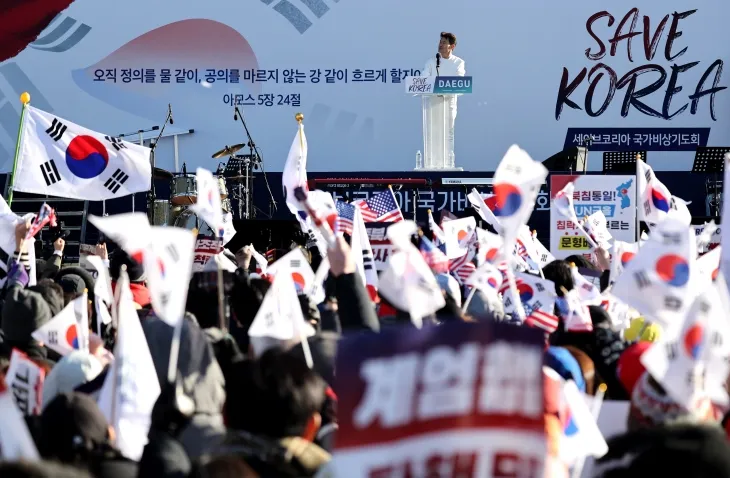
[
  {"x": 25, "y": 379},
  {"x": 279, "y": 317},
  {"x": 563, "y": 204},
  {"x": 438, "y": 233},
  {"x": 317, "y": 292},
  {"x": 228, "y": 230},
  {"x": 517, "y": 183},
  {"x": 102, "y": 283},
  {"x": 587, "y": 292},
  {"x": 596, "y": 227},
  {"x": 459, "y": 234},
  {"x": 490, "y": 248},
  {"x": 535, "y": 294},
  {"x": 705, "y": 237},
  {"x": 691, "y": 362},
  {"x": 619, "y": 312},
  {"x": 64, "y": 333},
  {"x": 131, "y": 231},
  {"x": 261, "y": 263},
  {"x": 708, "y": 265},
  {"x": 362, "y": 251},
  {"x": 208, "y": 205},
  {"x": 132, "y": 377},
  {"x": 294, "y": 174},
  {"x": 63, "y": 159},
  {"x": 623, "y": 252},
  {"x": 168, "y": 262},
  {"x": 479, "y": 204},
  {"x": 657, "y": 203},
  {"x": 407, "y": 281},
  {"x": 487, "y": 278},
  {"x": 544, "y": 257},
  {"x": 219, "y": 260},
  {"x": 297, "y": 267},
  {"x": 661, "y": 280},
  {"x": 575, "y": 312},
  {"x": 16, "y": 442},
  {"x": 525, "y": 249},
  {"x": 581, "y": 436}
]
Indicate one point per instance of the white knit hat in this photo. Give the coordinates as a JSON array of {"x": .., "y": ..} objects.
[{"x": 71, "y": 371}]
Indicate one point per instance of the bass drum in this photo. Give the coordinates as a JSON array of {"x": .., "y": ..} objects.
[{"x": 189, "y": 220}]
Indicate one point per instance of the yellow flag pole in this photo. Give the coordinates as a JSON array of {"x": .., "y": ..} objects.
[
  {"x": 24, "y": 99},
  {"x": 299, "y": 117}
]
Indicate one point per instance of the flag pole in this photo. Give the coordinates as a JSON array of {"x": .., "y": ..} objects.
[{"x": 24, "y": 99}]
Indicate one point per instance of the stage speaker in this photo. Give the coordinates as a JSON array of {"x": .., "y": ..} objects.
[{"x": 573, "y": 159}]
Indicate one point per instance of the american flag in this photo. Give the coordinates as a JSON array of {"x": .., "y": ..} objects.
[
  {"x": 380, "y": 208},
  {"x": 435, "y": 258},
  {"x": 345, "y": 217},
  {"x": 463, "y": 271},
  {"x": 542, "y": 320}
]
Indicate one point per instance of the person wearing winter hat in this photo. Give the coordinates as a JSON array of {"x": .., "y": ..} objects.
[
  {"x": 640, "y": 329},
  {"x": 652, "y": 406},
  {"x": 73, "y": 370},
  {"x": 630, "y": 369},
  {"x": 24, "y": 312}
]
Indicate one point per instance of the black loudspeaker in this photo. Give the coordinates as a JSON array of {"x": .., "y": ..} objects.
[{"x": 573, "y": 159}]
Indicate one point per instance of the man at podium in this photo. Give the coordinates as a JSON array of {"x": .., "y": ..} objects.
[{"x": 445, "y": 63}]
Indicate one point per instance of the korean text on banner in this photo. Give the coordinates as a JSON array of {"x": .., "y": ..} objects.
[
  {"x": 615, "y": 196},
  {"x": 466, "y": 395}
]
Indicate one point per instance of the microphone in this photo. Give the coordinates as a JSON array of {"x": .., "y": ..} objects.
[
  {"x": 169, "y": 112},
  {"x": 185, "y": 170},
  {"x": 438, "y": 60},
  {"x": 235, "y": 113}
]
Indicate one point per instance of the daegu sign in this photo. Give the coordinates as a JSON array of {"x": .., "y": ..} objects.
[
  {"x": 615, "y": 196},
  {"x": 457, "y": 400}
]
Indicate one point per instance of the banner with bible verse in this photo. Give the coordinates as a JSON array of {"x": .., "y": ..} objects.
[
  {"x": 457, "y": 400},
  {"x": 614, "y": 196}
]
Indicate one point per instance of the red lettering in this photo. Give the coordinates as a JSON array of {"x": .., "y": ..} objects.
[
  {"x": 514, "y": 465},
  {"x": 385, "y": 472}
]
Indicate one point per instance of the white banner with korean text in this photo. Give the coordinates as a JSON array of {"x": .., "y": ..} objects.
[{"x": 615, "y": 196}]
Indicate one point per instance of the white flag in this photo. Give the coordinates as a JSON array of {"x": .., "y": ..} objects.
[
  {"x": 208, "y": 205},
  {"x": 490, "y": 248},
  {"x": 487, "y": 278},
  {"x": 438, "y": 233},
  {"x": 131, "y": 231},
  {"x": 297, "y": 266},
  {"x": 459, "y": 234},
  {"x": 294, "y": 174},
  {"x": 536, "y": 294},
  {"x": 228, "y": 230},
  {"x": 25, "y": 380},
  {"x": 261, "y": 262},
  {"x": 363, "y": 253},
  {"x": 708, "y": 265},
  {"x": 657, "y": 203},
  {"x": 60, "y": 158},
  {"x": 279, "y": 317},
  {"x": 517, "y": 183},
  {"x": 661, "y": 280},
  {"x": 16, "y": 442},
  {"x": 168, "y": 262},
  {"x": 64, "y": 333},
  {"x": 317, "y": 292},
  {"x": 623, "y": 252},
  {"x": 692, "y": 362},
  {"x": 596, "y": 227},
  {"x": 544, "y": 257},
  {"x": 479, "y": 203},
  {"x": 132, "y": 377},
  {"x": 408, "y": 282}
]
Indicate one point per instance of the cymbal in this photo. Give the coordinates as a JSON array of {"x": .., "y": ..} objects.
[
  {"x": 228, "y": 151},
  {"x": 237, "y": 178},
  {"x": 160, "y": 173}
]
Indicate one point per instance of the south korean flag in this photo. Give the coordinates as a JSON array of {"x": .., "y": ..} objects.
[{"x": 62, "y": 159}]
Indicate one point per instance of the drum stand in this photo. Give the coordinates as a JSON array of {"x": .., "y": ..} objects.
[{"x": 238, "y": 169}]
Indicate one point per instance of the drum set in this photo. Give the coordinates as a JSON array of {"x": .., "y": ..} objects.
[{"x": 237, "y": 172}]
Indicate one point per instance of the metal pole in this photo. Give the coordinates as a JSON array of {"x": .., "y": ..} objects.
[
  {"x": 177, "y": 156},
  {"x": 24, "y": 99},
  {"x": 638, "y": 197}
]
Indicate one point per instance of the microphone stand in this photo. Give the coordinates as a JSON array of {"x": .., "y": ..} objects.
[
  {"x": 257, "y": 157},
  {"x": 153, "y": 147}
]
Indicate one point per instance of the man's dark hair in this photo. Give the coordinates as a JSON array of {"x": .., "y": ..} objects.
[
  {"x": 52, "y": 293},
  {"x": 450, "y": 37},
  {"x": 581, "y": 262},
  {"x": 558, "y": 271},
  {"x": 273, "y": 396}
]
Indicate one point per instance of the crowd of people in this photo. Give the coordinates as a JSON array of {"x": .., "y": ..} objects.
[{"x": 240, "y": 412}]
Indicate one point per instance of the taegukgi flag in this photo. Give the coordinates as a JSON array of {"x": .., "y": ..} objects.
[{"x": 60, "y": 158}]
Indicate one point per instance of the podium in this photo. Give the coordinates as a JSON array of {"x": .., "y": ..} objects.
[{"x": 438, "y": 106}]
